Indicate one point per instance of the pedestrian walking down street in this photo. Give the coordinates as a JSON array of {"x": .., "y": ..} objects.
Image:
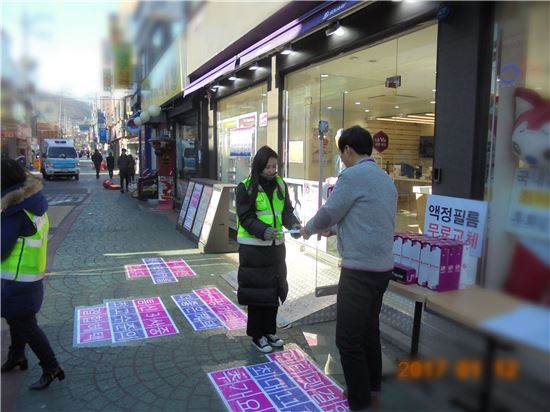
[
  {"x": 110, "y": 164},
  {"x": 361, "y": 211},
  {"x": 123, "y": 170},
  {"x": 97, "y": 159},
  {"x": 263, "y": 208},
  {"x": 131, "y": 168},
  {"x": 24, "y": 249}
]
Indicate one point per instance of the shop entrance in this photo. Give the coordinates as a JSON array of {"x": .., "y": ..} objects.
[{"x": 388, "y": 88}]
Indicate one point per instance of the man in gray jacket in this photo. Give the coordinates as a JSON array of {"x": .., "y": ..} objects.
[{"x": 361, "y": 211}]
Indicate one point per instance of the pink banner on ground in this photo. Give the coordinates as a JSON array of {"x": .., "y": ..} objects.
[
  {"x": 232, "y": 317},
  {"x": 321, "y": 389},
  {"x": 155, "y": 318},
  {"x": 179, "y": 268},
  {"x": 136, "y": 271},
  {"x": 92, "y": 325},
  {"x": 239, "y": 391}
]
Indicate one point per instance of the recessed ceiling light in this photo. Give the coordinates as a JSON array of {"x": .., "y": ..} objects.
[
  {"x": 346, "y": 92},
  {"x": 330, "y": 107},
  {"x": 324, "y": 75},
  {"x": 232, "y": 77},
  {"x": 397, "y": 107},
  {"x": 357, "y": 102},
  {"x": 432, "y": 102},
  {"x": 433, "y": 90},
  {"x": 254, "y": 66},
  {"x": 367, "y": 110},
  {"x": 264, "y": 94},
  {"x": 287, "y": 50}
]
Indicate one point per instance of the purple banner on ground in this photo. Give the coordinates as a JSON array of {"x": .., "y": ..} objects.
[
  {"x": 262, "y": 387},
  {"x": 232, "y": 317},
  {"x": 239, "y": 391},
  {"x": 160, "y": 272},
  {"x": 196, "y": 312},
  {"x": 155, "y": 318},
  {"x": 323, "y": 391},
  {"x": 125, "y": 321},
  {"x": 179, "y": 268},
  {"x": 136, "y": 271},
  {"x": 92, "y": 325}
]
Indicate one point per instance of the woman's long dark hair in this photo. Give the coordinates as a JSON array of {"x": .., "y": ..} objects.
[{"x": 259, "y": 163}]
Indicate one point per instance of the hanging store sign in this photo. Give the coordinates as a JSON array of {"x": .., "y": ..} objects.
[
  {"x": 122, "y": 64},
  {"x": 380, "y": 141}
]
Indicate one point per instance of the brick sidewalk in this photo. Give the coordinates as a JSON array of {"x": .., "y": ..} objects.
[{"x": 165, "y": 373}]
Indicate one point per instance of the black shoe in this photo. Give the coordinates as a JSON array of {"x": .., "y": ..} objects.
[
  {"x": 11, "y": 363},
  {"x": 48, "y": 378}
]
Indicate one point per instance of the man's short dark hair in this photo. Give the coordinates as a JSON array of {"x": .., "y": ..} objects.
[{"x": 358, "y": 138}]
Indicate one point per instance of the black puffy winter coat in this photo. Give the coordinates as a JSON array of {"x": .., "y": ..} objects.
[{"x": 262, "y": 269}]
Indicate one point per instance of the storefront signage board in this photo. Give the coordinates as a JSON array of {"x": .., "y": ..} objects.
[
  {"x": 457, "y": 218},
  {"x": 529, "y": 211},
  {"x": 193, "y": 205},
  {"x": 210, "y": 214},
  {"x": 380, "y": 141}
]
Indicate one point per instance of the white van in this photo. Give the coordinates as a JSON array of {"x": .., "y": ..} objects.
[{"x": 59, "y": 158}]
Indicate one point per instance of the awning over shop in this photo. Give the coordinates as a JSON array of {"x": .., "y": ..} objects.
[{"x": 296, "y": 28}]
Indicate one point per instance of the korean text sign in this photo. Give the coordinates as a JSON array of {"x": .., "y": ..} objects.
[{"x": 457, "y": 218}]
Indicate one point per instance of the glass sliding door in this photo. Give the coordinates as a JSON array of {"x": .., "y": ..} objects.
[{"x": 389, "y": 89}]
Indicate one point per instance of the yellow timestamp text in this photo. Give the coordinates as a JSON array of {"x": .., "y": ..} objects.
[{"x": 461, "y": 369}]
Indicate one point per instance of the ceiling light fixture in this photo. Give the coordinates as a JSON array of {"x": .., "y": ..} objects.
[
  {"x": 367, "y": 110},
  {"x": 397, "y": 107},
  {"x": 334, "y": 28},
  {"x": 357, "y": 103},
  {"x": 433, "y": 90},
  {"x": 232, "y": 77},
  {"x": 330, "y": 107},
  {"x": 324, "y": 75},
  {"x": 287, "y": 50},
  {"x": 254, "y": 66},
  {"x": 432, "y": 102}
]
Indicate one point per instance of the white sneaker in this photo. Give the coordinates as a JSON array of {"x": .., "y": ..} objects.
[
  {"x": 262, "y": 344},
  {"x": 275, "y": 341}
]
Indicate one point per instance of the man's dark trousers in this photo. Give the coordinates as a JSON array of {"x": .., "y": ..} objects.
[
  {"x": 123, "y": 179},
  {"x": 358, "y": 307}
]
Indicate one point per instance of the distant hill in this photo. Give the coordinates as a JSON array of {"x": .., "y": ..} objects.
[{"x": 48, "y": 106}]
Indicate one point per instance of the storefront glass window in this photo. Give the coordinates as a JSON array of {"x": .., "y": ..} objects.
[
  {"x": 389, "y": 89},
  {"x": 518, "y": 164},
  {"x": 242, "y": 129}
]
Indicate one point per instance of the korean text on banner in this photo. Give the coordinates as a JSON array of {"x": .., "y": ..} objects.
[{"x": 457, "y": 218}]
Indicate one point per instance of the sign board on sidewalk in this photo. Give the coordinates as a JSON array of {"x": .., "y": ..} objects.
[
  {"x": 185, "y": 204},
  {"x": 193, "y": 206}
]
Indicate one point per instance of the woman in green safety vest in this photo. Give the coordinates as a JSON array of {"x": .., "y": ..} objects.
[
  {"x": 24, "y": 247},
  {"x": 263, "y": 209}
]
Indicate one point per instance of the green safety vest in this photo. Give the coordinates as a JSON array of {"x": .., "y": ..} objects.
[
  {"x": 264, "y": 212},
  {"x": 27, "y": 261}
]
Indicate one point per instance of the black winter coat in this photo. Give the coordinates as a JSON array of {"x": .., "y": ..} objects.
[{"x": 262, "y": 269}]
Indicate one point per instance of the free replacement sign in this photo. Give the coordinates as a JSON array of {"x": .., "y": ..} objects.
[
  {"x": 208, "y": 308},
  {"x": 288, "y": 382}
]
